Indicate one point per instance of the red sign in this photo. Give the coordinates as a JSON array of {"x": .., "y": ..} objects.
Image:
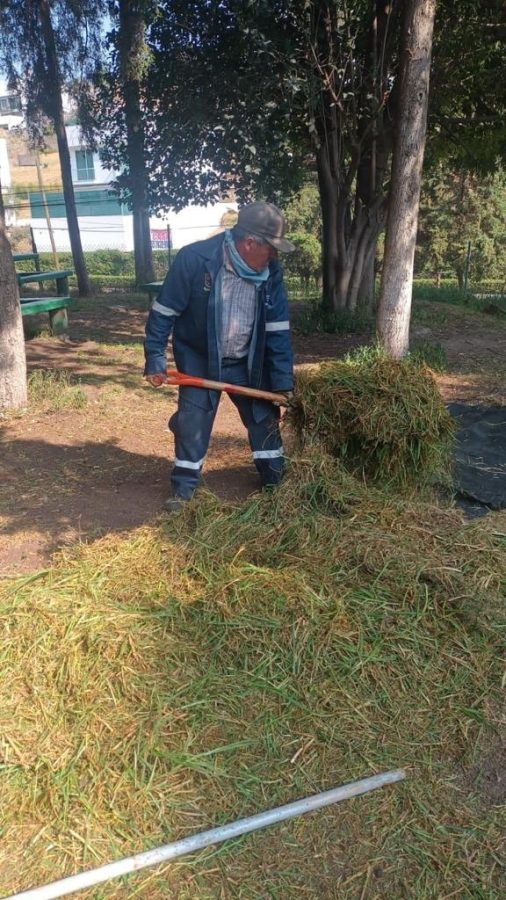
[{"x": 160, "y": 238}]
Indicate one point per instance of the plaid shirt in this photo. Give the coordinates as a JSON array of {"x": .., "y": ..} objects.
[{"x": 238, "y": 302}]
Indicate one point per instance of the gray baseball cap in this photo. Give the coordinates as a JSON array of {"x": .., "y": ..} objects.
[{"x": 266, "y": 221}]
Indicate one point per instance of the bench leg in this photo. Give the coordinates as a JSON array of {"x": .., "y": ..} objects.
[
  {"x": 62, "y": 287},
  {"x": 58, "y": 321}
]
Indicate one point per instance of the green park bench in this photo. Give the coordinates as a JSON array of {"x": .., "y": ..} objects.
[
  {"x": 55, "y": 306},
  {"x": 20, "y": 257},
  {"x": 61, "y": 277}
]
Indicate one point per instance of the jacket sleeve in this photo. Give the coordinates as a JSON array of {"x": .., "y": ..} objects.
[
  {"x": 169, "y": 304},
  {"x": 278, "y": 345}
]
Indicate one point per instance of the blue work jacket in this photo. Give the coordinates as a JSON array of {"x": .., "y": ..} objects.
[{"x": 189, "y": 306}]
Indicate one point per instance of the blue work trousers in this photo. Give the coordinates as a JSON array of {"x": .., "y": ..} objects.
[{"x": 193, "y": 422}]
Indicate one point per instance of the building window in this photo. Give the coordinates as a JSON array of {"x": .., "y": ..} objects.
[
  {"x": 10, "y": 104},
  {"x": 84, "y": 165}
]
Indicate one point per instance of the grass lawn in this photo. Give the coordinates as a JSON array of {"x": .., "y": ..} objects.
[
  {"x": 247, "y": 655},
  {"x": 206, "y": 667}
]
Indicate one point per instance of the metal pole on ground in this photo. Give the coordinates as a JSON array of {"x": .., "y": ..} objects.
[{"x": 206, "y": 838}]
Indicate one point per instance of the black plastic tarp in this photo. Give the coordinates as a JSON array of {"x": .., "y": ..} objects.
[{"x": 480, "y": 457}]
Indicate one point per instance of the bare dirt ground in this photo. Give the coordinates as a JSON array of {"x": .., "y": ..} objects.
[{"x": 73, "y": 474}]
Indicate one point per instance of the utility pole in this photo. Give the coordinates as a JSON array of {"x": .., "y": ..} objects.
[{"x": 46, "y": 210}]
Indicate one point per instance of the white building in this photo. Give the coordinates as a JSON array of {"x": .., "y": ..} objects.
[
  {"x": 10, "y": 109},
  {"x": 6, "y": 181},
  {"x": 105, "y": 222},
  {"x": 5, "y": 169}
]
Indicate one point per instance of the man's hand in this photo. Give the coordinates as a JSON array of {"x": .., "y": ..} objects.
[
  {"x": 287, "y": 394},
  {"x": 157, "y": 380}
]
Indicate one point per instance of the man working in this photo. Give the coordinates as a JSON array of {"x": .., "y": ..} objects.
[{"x": 225, "y": 302}]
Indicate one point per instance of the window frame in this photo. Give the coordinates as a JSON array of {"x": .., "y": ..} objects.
[{"x": 86, "y": 171}]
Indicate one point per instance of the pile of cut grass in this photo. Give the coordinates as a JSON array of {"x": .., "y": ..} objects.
[
  {"x": 248, "y": 654},
  {"x": 382, "y": 418}
]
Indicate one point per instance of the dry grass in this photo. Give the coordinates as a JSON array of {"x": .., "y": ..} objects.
[
  {"x": 383, "y": 419},
  {"x": 247, "y": 654},
  {"x": 54, "y": 389}
]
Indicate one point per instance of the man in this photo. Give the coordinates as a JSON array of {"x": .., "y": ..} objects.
[{"x": 225, "y": 303}]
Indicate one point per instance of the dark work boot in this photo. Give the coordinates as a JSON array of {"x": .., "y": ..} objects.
[{"x": 175, "y": 504}]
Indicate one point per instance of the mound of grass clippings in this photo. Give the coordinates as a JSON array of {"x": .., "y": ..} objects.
[
  {"x": 242, "y": 656},
  {"x": 382, "y": 418}
]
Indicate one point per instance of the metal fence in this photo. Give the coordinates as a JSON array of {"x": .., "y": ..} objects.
[{"x": 112, "y": 267}]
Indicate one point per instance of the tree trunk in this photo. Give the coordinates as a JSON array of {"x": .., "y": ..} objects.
[
  {"x": 347, "y": 250},
  {"x": 328, "y": 203},
  {"x": 132, "y": 50},
  {"x": 409, "y": 145},
  {"x": 351, "y": 191},
  {"x": 342, "y": 258},
  {"x": 367, "y": 289},
  {"x": 63, "y": 149},
  {"x": 13, "y": 394}
]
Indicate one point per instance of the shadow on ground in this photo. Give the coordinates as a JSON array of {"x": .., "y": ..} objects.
[{"x": 93, "y": 489}]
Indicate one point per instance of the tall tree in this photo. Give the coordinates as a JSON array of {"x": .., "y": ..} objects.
[
  {"x": 133, "y": 59},
  {"x": 409, "y": 146},
  {"x": 115, "y": 117},
  {"x": 12, "y": 342},
  {"x": 459, "y": 207},
  {"x": 467, "y": 113},
  {"x": 53, "y": 107},
  {"x": 249, "y": 96},
  {"x": 274, "y": 86},
  {"x": 42, "y": 46}
]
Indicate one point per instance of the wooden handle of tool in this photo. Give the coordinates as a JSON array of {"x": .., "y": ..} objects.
[{"x": 180, "y": 378}]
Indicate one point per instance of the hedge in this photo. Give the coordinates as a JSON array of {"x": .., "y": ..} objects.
[{"x": 102, "y": 262}]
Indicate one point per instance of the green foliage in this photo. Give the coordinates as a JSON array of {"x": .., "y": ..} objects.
[
  {"x": 256, "y": 141},
  {"x": 305, "y": 262},
  {"x": 303, "y": 211},
  {"x": 303, "y": 267},
  {"x": 429, "y": 354},
  {"x": 115, "y": 263},
  {"x": 227, "y": 137},
  {"x": 278, "y": 88},
  {"x": 467, "y": 112},
  {"x": 449, "y": 293},
  {"x": 487, "y": 286},
  {"x": 457, "y": 208},
  {"x": 317, "y": 319},
  {"x": 493, "y": 304},
  {"x": 24, "y": 57}
]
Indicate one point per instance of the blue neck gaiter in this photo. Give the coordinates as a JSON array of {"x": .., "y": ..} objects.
[{"x": 240, "y": 267}]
